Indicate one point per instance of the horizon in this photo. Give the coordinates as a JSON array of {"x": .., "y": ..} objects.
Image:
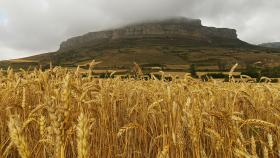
[{"x": 39, "y": 26}]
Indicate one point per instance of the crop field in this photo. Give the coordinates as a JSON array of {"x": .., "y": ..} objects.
[{"x": 60, "y": 114}]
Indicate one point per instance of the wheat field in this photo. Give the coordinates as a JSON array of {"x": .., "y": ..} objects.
[{"x": 58, "y": 113}]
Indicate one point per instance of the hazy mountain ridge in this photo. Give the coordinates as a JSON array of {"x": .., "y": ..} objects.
[
  {"x": 171, "y": 28},
  {"x": 271, "y": 45}
]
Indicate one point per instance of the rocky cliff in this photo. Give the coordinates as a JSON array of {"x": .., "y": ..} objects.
[{"x": 170, "y": 28}]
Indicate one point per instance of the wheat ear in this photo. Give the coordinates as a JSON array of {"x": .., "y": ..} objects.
[
  {"x": 83, "y": 129},
  {"x": 17, "y": 137}
]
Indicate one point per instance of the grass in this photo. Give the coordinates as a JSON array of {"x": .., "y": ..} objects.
[{"x": 59, "y": 113}]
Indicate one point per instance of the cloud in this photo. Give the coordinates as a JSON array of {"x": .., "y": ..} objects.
[
  {"x": 9, "y": 53},
  {"x": 32, "y": 26}
]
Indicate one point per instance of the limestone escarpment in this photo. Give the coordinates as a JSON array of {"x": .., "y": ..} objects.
[{"x": 171, "y": 28}]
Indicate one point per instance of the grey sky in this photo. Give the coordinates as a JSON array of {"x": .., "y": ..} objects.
[{"x": 28, "y": 27}]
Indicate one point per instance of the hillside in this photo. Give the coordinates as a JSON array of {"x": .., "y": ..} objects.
[{"x": 176, "y": 41}]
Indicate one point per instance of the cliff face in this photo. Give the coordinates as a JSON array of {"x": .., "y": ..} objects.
[{"x": 171, "y": 28}]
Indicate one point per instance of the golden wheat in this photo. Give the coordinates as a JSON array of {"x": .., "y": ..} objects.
[
  {"x": 83, "y": 129},
  {"x": 17, "y": 136},
  {"x": 61, "y": 113}
]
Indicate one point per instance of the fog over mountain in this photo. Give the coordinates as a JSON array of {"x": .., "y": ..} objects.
[{"x": 37, "y": 26}]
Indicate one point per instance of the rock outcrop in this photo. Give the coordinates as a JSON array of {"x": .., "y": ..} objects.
[{"x": 171, "y": 28}]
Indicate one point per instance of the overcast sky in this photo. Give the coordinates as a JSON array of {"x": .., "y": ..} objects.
[{"x": 29, "y": 27}]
